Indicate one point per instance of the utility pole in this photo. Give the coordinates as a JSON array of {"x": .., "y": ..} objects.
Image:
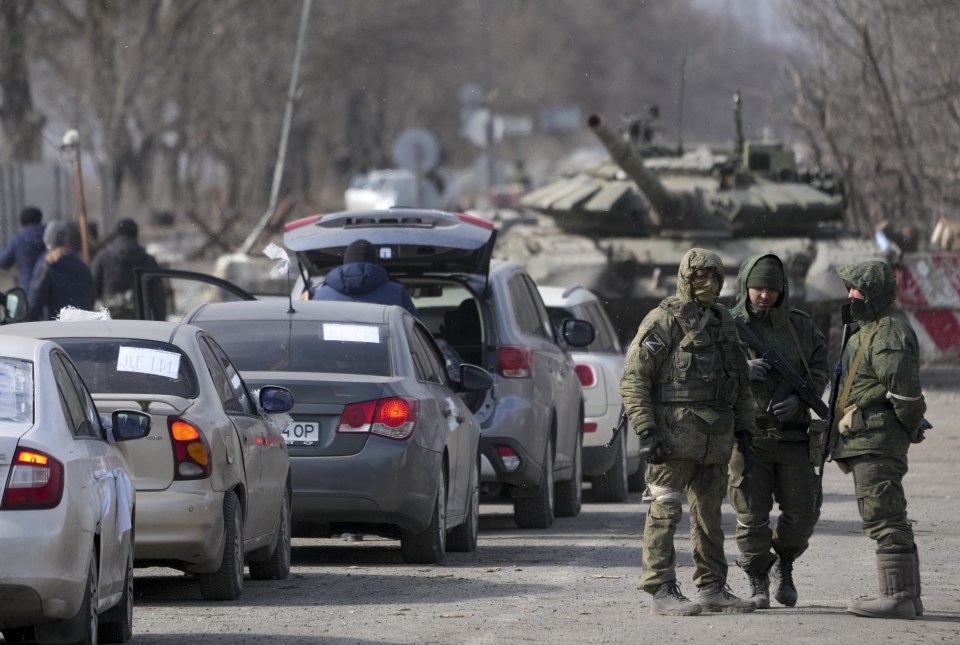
[{"x": 70, "y": 149}]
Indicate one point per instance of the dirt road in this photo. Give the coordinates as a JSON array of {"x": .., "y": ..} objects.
[{"x": 577, "y": 582}]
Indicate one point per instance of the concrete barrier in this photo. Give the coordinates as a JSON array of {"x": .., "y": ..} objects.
[{"x": 929, "y": 291}]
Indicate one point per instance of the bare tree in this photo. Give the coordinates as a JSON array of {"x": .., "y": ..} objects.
[{"x": 22, "y": 124}]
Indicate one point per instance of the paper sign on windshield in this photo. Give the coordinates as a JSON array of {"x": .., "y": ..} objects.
[
  {"x": 148, "y": 361},
  {"x": 351, "y": 333}
]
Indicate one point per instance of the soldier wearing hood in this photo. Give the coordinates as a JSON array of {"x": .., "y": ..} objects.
[
  {"x": 782, "y": 467},
  {"x": 879, "y": 413},
  {"x": 687, "y": 394}
]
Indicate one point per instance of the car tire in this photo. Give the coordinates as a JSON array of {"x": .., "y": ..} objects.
[
  {"x": 613, "y": 485},
  {"x": 429, "y": 545},
  {"x": 536, "y": 512},
  {"x": 116, "y": 624},
  {"x": 227, "y": 582},
  {"x": 569, "y": 494},
  {"x": 463, "y": 538},
  {"x": 88, "y": 609},
  {"x": 277, "y": 567}
]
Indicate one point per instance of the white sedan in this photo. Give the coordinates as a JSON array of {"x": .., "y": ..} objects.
[{"x": 66, "y": 564}]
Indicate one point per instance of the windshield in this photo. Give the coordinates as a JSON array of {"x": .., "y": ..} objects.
[
  {"x": 304, "y": 346},
  {"x": 132, "y": 366},
  {"x": 16, "y": 390}
]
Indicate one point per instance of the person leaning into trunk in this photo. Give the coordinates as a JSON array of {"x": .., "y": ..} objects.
[
  {"x": 783, "y": 471},
  {"x": 879, "y": 413},
  {"x": 687, "y": 394}
]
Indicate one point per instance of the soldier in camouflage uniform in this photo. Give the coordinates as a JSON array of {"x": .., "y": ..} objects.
[
  {"x": 879, "y": 413},
  {"x": 782, "y": 467},
  {"x": 686, "y": 391}
]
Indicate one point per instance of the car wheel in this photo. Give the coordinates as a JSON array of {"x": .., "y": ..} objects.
[
  {"x": 429, "y": 545},
  {"x": 463, "y": 538},
  {"x": 536, "y": 511},
  {"x": 277, "y": 567},
  {"x": 612, "y": 486},
  {"x": 91, "y": 624},
  {"x": 116, "y": 624},
  {"x": 570, "y": 493},
  {"x": 227, "y": 582}
]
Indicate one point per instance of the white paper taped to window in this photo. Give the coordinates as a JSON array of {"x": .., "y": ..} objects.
[
  {"x": 148, "y": 361},
  {"x": 351, "y": 333}
]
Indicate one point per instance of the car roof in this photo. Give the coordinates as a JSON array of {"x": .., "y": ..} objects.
[
  {"x": 147, "y": 330},
  {"x": 19, "y": 347},
  {"x": 276, "y": 309},
  {"x": 566, "y": 296}
]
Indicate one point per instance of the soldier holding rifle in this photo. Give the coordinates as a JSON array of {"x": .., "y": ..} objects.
[{"x": 787, "y": 358}]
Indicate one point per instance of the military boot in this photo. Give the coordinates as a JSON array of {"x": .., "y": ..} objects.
[
  {"x": 786, "y": 593},
  {"x": 760, "y": 589},
  {"x": 917, "y": 603},
  {"x": 899, "y": 578},
  {"x": 668, "y": 601},
  {"x": 716, "y": 596}
]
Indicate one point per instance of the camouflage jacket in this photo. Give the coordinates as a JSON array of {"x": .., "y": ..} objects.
[
  {"x": 886, "y": 388},
  {"x": 685, "y": 375},
  {"x": 774, "y": 332}
]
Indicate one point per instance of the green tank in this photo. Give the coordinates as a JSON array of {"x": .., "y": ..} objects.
[{"x": 620, "y": 226}]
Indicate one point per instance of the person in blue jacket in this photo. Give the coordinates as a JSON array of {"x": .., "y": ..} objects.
[
  {"x": 26, "y": 247},
  {"x": 61, "y": 278},
  {"x": 361, "y": 279}
]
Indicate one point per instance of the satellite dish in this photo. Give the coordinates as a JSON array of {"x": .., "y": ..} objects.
[{"x": 416, "y": 150}]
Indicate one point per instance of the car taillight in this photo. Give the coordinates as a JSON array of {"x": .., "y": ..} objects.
[
  {"x": 587, "y": 375},
  {"x": 476, "y": 221},
  {"x": 510, "y": 459},
  {"x": 589, "y": 427},
  {"x": 513, "y": 362},
  {"x": 35, "y": 482},
  {"x": 303, "y": 221},
  {"x": 191, "y": 453},
  {"x": 394, "y": 417}
]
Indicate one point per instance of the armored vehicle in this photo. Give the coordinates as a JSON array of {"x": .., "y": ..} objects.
[{"x": 621, "y": 226}]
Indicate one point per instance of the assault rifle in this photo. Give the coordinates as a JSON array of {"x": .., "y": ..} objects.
[
  {"x": 622, "y": 424},
  {"x": 828, "y": 418},
  {"x": 790, "y": 380}
]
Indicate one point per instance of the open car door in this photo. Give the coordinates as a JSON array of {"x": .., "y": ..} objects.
[{"x": 169, "y": 294}]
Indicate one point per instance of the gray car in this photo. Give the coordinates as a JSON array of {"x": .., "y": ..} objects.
[
  {"x": 490, "y": 314},
  {"x": 380, "y": 442}
]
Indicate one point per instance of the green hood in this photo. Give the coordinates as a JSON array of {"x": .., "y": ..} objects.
[
  {"x": 694, "y": 260},
  {"x": 781, "y": 312},
  {"x": 875, "y": 280}
]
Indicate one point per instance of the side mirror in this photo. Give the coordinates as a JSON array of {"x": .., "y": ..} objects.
[
  {"x": 16, "y": 305},
  {"x": 578, "y": 333},
  {"x": 474, "y": 379},
  {"x": 274, "y": 398},
  {"x": 130, "y": 424}
]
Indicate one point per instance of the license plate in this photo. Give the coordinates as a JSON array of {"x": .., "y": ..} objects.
[{"x": 302, "y": 432}]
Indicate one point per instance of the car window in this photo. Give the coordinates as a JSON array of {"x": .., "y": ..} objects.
[
  {"x": 232, "y": 390},
  {"x": 304, "y": 346},
  {"x": 16, "y": 390},
  {"x": 132, "y": 366},
  {"x": 526, "y": 307},
  {"x": 606, "y": 340},
  {"x": 429, "y": 365},
  {"x": 79, "y": 410}
]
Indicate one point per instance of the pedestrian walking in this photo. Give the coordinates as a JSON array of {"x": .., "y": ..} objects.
[
  {"x": 879, "y": 414},
  {"x": 60, "y": 278},
  {"x": 113, "y": 273},
  {"x": 26, "y": 247},
  {"x": 687, "y": 394},
  {"x": 783, "y": 471}
]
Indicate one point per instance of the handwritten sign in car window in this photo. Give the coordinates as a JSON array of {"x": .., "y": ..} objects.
[
  {"x": 148, "y": 361},
  {"x": 351, "y": 333}
]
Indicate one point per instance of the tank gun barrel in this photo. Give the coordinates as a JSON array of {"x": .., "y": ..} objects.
[{"x": 664, "y": 204}]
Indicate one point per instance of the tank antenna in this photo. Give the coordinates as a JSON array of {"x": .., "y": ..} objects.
[{"x": 683, "y": 83}]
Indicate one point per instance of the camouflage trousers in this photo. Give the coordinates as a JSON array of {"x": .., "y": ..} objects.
[
  {"x": 705, "y": 486},
  {"x": 781, "y": 474},
  {"x": 878, "y": 482}
]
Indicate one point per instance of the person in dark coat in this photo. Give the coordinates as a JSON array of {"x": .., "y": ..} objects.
[
  {"x": 113, "y": 274},
  {"x": 26, "y": 247},
  {"x": 60, "y": 278},
  {"x": 361, "y": 279}
]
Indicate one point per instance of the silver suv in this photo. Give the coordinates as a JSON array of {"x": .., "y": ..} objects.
[{"x": 488, "y": 313}]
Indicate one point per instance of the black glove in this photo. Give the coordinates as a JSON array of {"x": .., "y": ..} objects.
[
  {"x": 788, "y": 409},
  {"x": 653, "y": 450},
  {"x": 757, "y": 368},
  {"x": 745, "y": 446}
]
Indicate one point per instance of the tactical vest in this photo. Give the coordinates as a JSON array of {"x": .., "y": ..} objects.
[{"x": 703, "y": 366}]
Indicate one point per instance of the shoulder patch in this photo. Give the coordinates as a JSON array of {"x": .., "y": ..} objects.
[{"x": 653, "y": 343}]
